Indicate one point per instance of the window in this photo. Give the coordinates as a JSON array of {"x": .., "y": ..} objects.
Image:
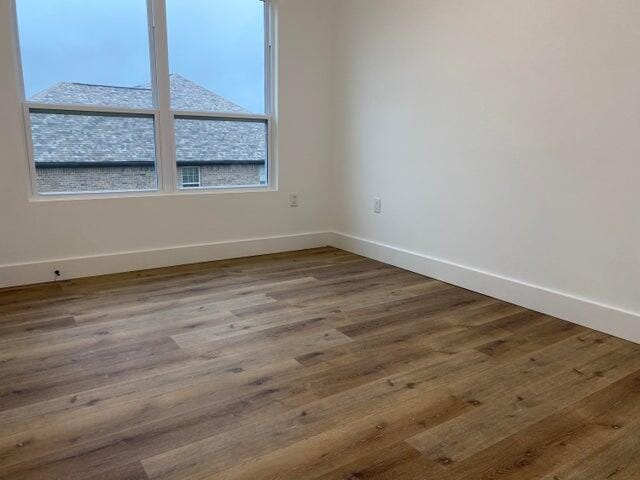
[
  {"x": 219, "y": 105},
  {"x": 230, "y": 152},
  {"x": 190, "y": 177},
  {"x": 77, "y": 151},
  {"x": 89, "y": 104},
  {"x": 128, "y": 95}
]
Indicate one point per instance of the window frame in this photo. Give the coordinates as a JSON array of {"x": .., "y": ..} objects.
[
  {"x": 195, "y": 168},
  {"x": 162, "y": 113}
]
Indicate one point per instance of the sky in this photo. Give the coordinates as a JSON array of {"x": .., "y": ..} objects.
[{"x": 218, "y": 44}]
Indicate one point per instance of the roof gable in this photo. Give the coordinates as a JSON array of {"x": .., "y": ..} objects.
[
  {"x": 87, "y": 138},
  {"x": 185, "y": 95}
]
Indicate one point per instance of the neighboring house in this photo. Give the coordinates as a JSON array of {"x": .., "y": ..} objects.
[{"x": 96, "y": 152}]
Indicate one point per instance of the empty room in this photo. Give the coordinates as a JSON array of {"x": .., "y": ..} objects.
[{"x": 319, "y": 240}]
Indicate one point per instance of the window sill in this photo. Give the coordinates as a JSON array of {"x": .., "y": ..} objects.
[{"x": 72, "y": 197}]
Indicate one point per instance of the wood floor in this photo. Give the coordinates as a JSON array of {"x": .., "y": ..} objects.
[{"x": 308, "y": 365}]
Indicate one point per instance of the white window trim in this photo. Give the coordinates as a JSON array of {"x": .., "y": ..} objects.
[
  {"x": 191, "y": 184},
  {"x": 166, "y": 165}
]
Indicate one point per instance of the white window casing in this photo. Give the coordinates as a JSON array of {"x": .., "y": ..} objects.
[{"x": 163, "y": 115}]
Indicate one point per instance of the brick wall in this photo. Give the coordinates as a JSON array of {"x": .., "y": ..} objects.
[
  {"x": 212, "y": 176},
  {"x": 96, "y": 179}
]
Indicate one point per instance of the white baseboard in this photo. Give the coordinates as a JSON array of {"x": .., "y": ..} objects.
[
  {"x": 605, "y": 318},
  {"x": 38, "y": 272}
]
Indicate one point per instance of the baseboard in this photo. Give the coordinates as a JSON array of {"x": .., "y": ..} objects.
[
  {"x": 605, "y": 318},
  {"x": 38, "y": 272}
]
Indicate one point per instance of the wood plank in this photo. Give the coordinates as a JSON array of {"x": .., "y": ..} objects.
[
  {"x": 115, "y": 407},
  {"x": 316, "y": 364},
  {"x": 504, "y": 413},
  {"x": 546, "y": 446},
  {"x": 319, "y": 454},
  {"x": 25, "y": 329},
  {"x": 398, "y": 462},
  {"x": 221, "y": 452}
]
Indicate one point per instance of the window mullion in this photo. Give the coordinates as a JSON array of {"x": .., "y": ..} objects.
[
  {"x": 164, "y": 127},
  {"x": 268, "y": 51},
  {"x": 270, "y": 87}
]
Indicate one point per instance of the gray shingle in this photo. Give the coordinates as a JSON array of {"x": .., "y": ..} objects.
[
  {"x": 60, "y": 138},
  {"x": 100, "y": 95},
  {"x": 203, "y": 141},
  {"x": 185, "y": 95},
  {"x": 76, "y": 139}
]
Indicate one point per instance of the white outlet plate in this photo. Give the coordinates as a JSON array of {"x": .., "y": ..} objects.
[
  {"x": 377, "y": 205},
  {"x": 293, "y": 200}
]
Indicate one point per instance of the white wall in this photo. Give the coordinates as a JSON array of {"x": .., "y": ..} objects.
[
  {"x": 503, "y": 137},
  {"x": 41, "y": 232}
]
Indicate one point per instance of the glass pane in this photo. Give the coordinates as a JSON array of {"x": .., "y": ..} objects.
[
  {"x": 228, "y": 152},
  {"x": 88, "y": 52},
  {"x": 85, "y": 152},
  {"x": 190, "y": 177},
  {"x": 216, "y": 55}
]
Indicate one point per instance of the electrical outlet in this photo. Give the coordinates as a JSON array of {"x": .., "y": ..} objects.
[
  {"x": 293, "y": 200},
  {"x": 377, "y": 205}
]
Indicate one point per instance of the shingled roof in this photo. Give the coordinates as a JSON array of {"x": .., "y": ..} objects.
[{"x": 79, "y": 139}]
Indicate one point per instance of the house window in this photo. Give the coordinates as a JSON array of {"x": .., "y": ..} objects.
[
  {"x": 189, "y": 83},
  {"x": 263, "y": 175},
  {"x": 190, "y": 177},
  {"x": 89, "y": 106},
  {"x": 220, "y": 109}
]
